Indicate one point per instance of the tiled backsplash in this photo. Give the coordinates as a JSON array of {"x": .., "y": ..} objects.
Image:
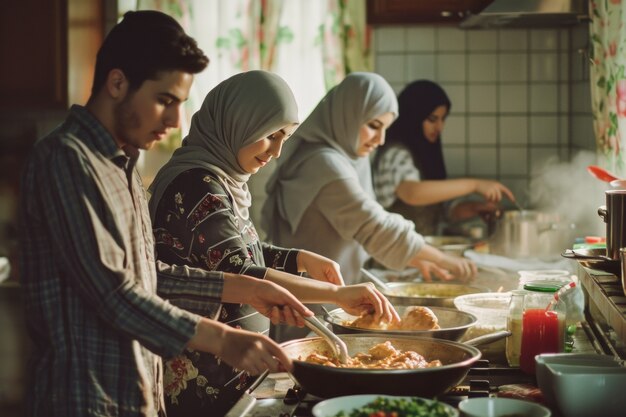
[{"x": 520, "y": 97}]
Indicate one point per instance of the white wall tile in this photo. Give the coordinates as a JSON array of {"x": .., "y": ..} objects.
[
  {"x": 579, "y": 66},
  {"x": 454, "y": 158},
  {"x": 512, "y": 67},
  {"x": 564, "y": 95},
  {"x": 392, "y": 67},
  {"x": 581, "y": 97},
  {"x": 482, "y": 130},
  {"x": 451, "y": 67},
  {"x": 482, "y": 162},
  {"x": 482, "y": 40},
  {"x": 564, "y": 66},
  {"x": 513, "y": 130},
  {"x": 564, "y": 130},
  {"x": 544, "y": 67},
  {"x": 390, "y": 39},
  {"x": 457, "y": 95},
  {"x": 544, "y": 98},
  {"x": 420, "y": 66},
  {"x": 580, "y": 36},
  {"x": 582, "y": 132},
  {"x": 482, "y": 98},
  {"x": 544, "y": 130},
  {"x": 513, "y": 98},
  {"x": 482, "y": 67},
  {"x": 541, "y": 158},
  {"x": 544, "y": 39},
  {"x": 455, "y": 130},
  {"x": 450, "y": 39},
  {"x": 420, "y": 39},
  {"x": 513, "y": 161},
  {"x": 513, "y": 39}
]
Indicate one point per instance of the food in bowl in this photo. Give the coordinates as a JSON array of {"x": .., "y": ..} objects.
[
  {"x": 380, "y": 356},
  {"x": 414, "y": 318},
  {"x": 371, "y": 404}
]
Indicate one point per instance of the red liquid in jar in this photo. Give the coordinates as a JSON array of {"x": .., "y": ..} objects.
[{"x": 540, "y": 334}]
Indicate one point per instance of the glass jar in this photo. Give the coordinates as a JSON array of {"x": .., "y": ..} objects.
[
  {"x": 514, "y": 325},
  {"x": 543, "y": 330}
]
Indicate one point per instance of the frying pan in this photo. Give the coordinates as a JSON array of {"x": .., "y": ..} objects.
[
  {"x": 453, "y": 323},
  {"x": 427, "y": 293},
  {"x": 327, "y": 381}
]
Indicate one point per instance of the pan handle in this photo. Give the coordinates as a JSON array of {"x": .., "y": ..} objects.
[{"x": 488, "y": 338}]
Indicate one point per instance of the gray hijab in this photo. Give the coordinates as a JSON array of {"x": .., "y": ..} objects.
[
  {"x": 239, "y": 111},
  {"x": 324, "y": 147}
]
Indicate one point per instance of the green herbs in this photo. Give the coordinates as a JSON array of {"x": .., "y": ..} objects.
[{"x": 400, "y": 407}]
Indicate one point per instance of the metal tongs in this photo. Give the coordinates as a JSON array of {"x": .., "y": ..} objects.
[{"x": 336, "y": 344}]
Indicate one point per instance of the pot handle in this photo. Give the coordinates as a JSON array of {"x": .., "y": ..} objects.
[
  {"x": 602, "y": 212},
  {"x": 488, "y": 338}
]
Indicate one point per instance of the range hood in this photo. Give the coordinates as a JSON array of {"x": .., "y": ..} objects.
[{"x": 528, "y": 13}]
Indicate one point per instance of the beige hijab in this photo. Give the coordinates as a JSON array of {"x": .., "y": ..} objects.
[
  {"x": 237, "y": 112},
  {"x": 324, "y": 147}
]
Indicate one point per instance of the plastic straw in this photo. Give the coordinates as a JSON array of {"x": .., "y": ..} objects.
[{"x": 559, "y": 294}]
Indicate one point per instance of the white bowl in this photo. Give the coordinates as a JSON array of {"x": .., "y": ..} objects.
[
  {"x": 583, "y": 391},
  {"x": 497, "y": 407},
  {"x": 348, "y": 403},
  {"x": 490, "y": 308},
  {"x": 544, "y": 376}
]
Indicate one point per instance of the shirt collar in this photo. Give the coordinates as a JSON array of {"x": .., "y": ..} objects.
[{"x": 100, "y": 138}]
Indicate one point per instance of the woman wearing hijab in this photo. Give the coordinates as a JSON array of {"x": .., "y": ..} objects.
[
  {"x": 410, "y": 173},
  {"x": 200, "y": 210},
  {"x": 321, "y": 198}
]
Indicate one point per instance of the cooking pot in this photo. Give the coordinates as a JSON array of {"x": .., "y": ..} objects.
[
  {"x": 530, "y": 234},
  {"x": 453, "y": 324},
  {"x": 614, "y": 215},
  {"x": 328, "y": 381},
  {"x": 436, "y": 294}
]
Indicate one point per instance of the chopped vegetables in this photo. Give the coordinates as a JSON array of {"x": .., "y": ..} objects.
[{"x": 400, "y": 407}]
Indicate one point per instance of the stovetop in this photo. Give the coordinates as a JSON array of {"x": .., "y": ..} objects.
[{"x": 482, "y": 380}]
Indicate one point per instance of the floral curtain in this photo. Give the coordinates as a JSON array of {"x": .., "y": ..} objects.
[{"x": 608, "y": 82}]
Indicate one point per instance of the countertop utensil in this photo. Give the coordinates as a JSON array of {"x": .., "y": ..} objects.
[
  {"x": 377, "y": 281},
  {"x": 336, "y": 344},
  {"x": 601, "y": 173}
]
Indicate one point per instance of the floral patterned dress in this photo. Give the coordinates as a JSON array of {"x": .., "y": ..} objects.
[{"x": 195, "y": 225}]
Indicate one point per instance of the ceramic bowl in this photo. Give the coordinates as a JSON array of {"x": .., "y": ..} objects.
[
  {"x": 498, "y": 407},
  {"x": 583, "y": 391},
  {"x": 544, "y": 377},
  {"x": 348, "y": 403}
]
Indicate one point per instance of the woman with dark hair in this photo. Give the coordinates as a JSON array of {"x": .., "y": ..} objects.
[{"x": 410, "y": 175}]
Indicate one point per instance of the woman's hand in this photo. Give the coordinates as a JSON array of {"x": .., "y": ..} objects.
[
  {"x": 493, "y": 190},
  {"x": 251, "y": 352},
  {"x": 268, "y": 298},
  {"x": 319, "y": 267},
  {"x": 365, "y": 298},
  {"x": 431, "y": 269},
  {"x": 462, "y": 269}
]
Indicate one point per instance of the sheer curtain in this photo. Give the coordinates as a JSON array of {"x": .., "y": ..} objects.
[
  {"x": 312, "y": 44},
  {"x": 608, "y": 82}
]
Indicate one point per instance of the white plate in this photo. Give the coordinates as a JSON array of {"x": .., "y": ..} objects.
[{"x": 330, "y": 407}]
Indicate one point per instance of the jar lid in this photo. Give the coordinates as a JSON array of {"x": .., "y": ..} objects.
[{"x": 543, "y": 286}]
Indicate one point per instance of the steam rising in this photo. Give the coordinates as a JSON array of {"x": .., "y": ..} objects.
[{"x": 568, "y": 189}]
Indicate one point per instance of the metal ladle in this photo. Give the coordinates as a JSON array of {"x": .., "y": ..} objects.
[{"x": 336, "y": 344}]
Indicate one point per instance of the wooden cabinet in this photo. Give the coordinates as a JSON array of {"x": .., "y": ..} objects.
[
  {"x": 421, "y": 11},
  {"x": 33, "y": 51}
]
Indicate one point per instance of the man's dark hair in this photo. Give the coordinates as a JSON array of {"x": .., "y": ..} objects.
[{"x": 143, "y": 44}]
